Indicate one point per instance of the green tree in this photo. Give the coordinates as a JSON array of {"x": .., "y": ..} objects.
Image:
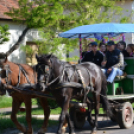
[
  {"x": 4, "y": 34},
  {"x": 36, "y": 14},
  {"x": 54, "y": 16}
]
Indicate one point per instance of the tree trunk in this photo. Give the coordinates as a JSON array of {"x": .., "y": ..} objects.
[{"x": 16, "y": 45}]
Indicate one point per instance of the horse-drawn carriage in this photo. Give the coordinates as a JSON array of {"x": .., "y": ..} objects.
[
  {"x": 121, "y": 96},
  {"x": 51, "y": 70},
  {"x": 121, "y": 92}
]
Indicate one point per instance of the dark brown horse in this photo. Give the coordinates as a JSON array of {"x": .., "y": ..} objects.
[
  {"x": 88, "y": 74},
  {"x": 13, "y": 74}
]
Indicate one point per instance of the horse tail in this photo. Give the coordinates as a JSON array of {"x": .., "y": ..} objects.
[{"x": 104, "y": 100}]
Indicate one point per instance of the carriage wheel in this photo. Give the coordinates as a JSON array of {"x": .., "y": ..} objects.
[
  {"x": 112, "y": 119},
  {"x": 114, "y": 116},
  {"x": 77, "y": 117},
  {"x": 125, "y": 115}
]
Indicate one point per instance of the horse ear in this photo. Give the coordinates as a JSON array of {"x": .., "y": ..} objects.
[
  {"x": 6, "y": 57},
  {"x": 49, "y": 56},
  {"x": 37, "y": 57}
]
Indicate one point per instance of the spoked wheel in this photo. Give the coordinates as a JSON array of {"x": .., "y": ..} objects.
[
  {"x": 77, "y": 117},
  {"x": 125, "y": 115}
]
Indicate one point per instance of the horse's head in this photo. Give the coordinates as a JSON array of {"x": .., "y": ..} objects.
[
  {"x": 43, "y": 69},
  {"x": 3, "y": 59},
  {"x": 2, "y": 82}
]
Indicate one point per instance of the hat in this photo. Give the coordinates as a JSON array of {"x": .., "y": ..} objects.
[
  {"x": 94, "y": 43},
  {"x": 110, "y": 43}
]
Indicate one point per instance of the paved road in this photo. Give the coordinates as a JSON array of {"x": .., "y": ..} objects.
[{"x": 104, "y": 127}]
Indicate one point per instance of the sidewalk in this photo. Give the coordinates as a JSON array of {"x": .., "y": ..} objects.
[
  {"x": 52, "y": 117},
  {"x": 8, "y": 110}
]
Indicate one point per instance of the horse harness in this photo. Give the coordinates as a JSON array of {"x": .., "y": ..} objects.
[
  {"x": 80, "y": 78},
  {"x": 65, "y": 71},
  {"x": 8, "y": 81}
]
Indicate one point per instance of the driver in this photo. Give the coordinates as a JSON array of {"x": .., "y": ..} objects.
[
  {"x": 94, "y": 55},
  {"x": 114, "y": 63}
]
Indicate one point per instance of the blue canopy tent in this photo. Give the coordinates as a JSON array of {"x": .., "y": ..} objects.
[{"x": 98, "y": 30}]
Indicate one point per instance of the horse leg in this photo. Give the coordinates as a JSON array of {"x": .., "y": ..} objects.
[
  {"x": 15, "y": 106},
  {"x": 70, "y": 124},
  {"x": 46, "y": 108},
  {"x": 28, "y": 106},
  {"x": 64, "y": 126},
  {"x": 90, "y": 120},
  {"x": 64, "y": 116},
  {"x": 97, "y": 106}
]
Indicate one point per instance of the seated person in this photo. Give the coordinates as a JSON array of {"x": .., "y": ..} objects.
[
  {"x": 122, "y": 48},
  {"x": 130, "y": 50},
  {"x": 88, "y": 50},
  {"x": 102, "y": 47},
  {"x": 94, "y": 56},
  {"x": 114, "y": 63}
]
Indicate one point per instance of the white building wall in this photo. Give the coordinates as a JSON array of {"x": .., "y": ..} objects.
[
  {"x": 16, "y": 30},
  {"x": 127, "y": 11}
]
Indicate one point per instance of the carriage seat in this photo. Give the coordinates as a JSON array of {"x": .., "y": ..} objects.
[{"x": 117, "y": 78}]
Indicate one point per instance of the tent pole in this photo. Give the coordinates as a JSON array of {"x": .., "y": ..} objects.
[
  {"x": 80, "y": 46},
  {"x": 123, "y": 37}
]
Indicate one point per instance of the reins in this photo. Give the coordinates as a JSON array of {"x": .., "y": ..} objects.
[
  {"x": 60, "y": 85},
  {"x": 21, "y": 69}
]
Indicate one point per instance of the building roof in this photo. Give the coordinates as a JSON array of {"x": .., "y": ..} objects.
[{"x": 5, "y": 6}]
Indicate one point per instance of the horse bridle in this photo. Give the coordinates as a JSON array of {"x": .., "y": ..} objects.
[
  {"x": 46, "y": 72},
  {"x": 8, "y": 71}
]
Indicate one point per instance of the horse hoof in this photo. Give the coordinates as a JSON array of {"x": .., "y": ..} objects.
[
  {"x": 42, "y": 131},
  {"x": 63, "y": 130},
  {"x": 22, "y": 128},
  {"x": 93, "y": 132},
  {"x": 29, "y": 131}
]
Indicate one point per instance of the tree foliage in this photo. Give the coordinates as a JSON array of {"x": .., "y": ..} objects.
[
  {"x": 55, "y": 16},
  {"x": 4, "y": 34},
  {"x": 38, "y": 13}
]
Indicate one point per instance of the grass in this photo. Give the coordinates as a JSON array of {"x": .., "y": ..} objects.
[
  {"x": 6, "y": 123},
  {"x": 39, "y": 111},
  {"x": 6, "y": 102}
]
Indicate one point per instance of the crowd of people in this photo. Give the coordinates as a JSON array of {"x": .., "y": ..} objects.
[{"x": 110, "y": 57}]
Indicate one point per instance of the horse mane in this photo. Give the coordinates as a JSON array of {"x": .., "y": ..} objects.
[
  {"x": 53, "y": 56},
  {"x": 45, "y": 55}
]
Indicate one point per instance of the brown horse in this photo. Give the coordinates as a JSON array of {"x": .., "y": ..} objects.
[{"x": 12, "y": 74}]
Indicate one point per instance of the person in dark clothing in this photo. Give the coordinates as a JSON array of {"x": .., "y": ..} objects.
[
  {"x": 94, "y": 56},
  {"x": 102, "y": 47},
  {"x": 83, "y": 53},
  {"x": 122, "y": 48},
  {"x": 114, "y": 63},
  {"x": 88, "y": 50}
]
